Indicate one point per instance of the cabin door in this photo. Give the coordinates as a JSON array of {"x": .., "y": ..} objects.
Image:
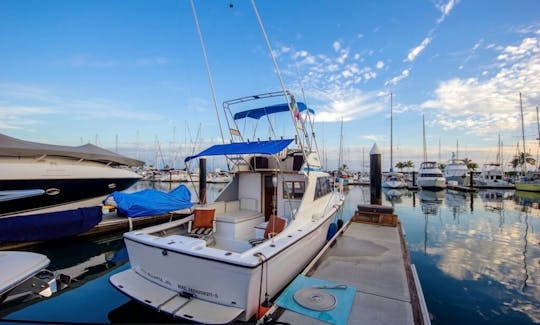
[{"x": 270, "y": 202}]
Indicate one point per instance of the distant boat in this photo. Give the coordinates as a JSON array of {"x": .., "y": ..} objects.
[
  {"x": 429, "y": 174},
  {"x": 492, "y": 176},
  {"x": 393, "y": 179},
  {"x": 219, "y": 177},
  {"x": 456, "y": 170},
  {"x": 36, "y": 175}
]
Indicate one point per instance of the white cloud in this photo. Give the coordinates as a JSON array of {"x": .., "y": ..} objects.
[
  {"x": 373, "y": 137},
  {"x": 18, "y": 117},
  {"x": 404, "y": 74},
  {"x": 445, "y": 9},
  {"x": 336, "y": 45},
  {"x": 417, "y": 50},
  {"x": 380, "y": 64},
  {"x": 481, "y": 106}
]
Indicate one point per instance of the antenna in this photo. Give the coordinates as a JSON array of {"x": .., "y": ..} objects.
[
  {"x": 391, "y": 136},
  {"x": 207, "y": 68}
]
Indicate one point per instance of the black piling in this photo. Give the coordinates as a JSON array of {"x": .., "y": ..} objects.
[
  {"x": 471, "y": 180},
  {"x": 375, "y": 175},
  {"x": 202, "y": 181}
]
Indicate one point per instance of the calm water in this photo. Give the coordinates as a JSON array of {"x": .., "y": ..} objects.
[{"x": 477, "y": 255}]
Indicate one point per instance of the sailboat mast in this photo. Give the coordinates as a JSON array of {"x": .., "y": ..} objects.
[
  {"x": 498, "y": 160},
  {"x": 340, "y": 155},
  {"x": 391, "y": 135},
  {"x": 424, "y": 137},
  {"x": 524, "y": 166},
  {"x": 538, "y": 128}
]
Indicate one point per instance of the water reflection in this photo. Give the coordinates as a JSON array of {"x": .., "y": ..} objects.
[
  {"x": 489, "y": 247},
  {"x": 393, "y": 195}
]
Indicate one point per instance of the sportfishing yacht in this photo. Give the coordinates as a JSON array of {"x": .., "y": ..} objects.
[{"x": 221, "y": 263}]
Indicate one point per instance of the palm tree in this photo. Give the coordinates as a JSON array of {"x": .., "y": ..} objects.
[
  {"x": 409, "y": 164},
  {"x": 522, "y": 159},
  {"x": 470, "y": 164},
  {"x": 401, "y": 165}
]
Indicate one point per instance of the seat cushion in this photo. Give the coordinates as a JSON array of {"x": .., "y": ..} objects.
[{"x": 203, "y": 218}]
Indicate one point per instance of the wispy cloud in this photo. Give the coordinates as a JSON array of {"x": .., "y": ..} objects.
[
  {"x": 333, "y": 81},
  {"x": 19, "y": 117},
  {"x": 482, "y": 105},
  {"x": 445, "y": 8},
  {"x": 25, "y": 105},
  {"x": 395, "y": 80},
  {"x": 417, "y": 50}
]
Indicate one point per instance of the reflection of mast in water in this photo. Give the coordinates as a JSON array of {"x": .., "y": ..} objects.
[
  {"x": 425, "y": 232},
  {"x": 525, "y": 252}
]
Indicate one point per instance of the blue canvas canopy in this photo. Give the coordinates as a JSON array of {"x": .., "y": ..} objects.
[
  {"x": 269, "y": 147},
  {"x": 257, "y": 113}
]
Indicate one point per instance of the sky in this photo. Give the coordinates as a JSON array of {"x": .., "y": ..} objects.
[{"x": 130, "y": 76}]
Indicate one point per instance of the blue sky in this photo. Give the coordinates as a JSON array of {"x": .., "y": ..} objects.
[{"x": 73, "y": 72}]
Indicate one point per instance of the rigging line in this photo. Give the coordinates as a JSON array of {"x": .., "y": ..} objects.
[
  {"x": 203, "y": 48},
  {"x": 278, "y": 73},
  {"x": 311, "y": 122}
]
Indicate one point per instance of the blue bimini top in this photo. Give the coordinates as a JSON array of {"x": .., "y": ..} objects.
[{"x": 269, "y": 147}]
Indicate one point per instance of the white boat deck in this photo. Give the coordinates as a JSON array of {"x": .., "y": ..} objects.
[{"x": 371, "y": 259}]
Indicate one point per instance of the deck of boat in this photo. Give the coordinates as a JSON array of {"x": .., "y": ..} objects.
[{"x": 374, "y": 260}]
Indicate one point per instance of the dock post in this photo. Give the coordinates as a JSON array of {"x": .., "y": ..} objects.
[
  {"x": 471, "y": 181},
  {"x": 414, "y": 178},
  {"x": 202, "y": 181},
  {"x": 375, "y": 176}
]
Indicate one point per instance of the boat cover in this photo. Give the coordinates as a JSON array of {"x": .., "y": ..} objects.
[
  {"x": 51, "y": 225},
  {"x": 151, "y": 202},
  {"x": 19, "y": 266},
  {"x": 12, "y": 147},
  {"x": 269, "y": 147},
  {"x": 257, "y": 113}
]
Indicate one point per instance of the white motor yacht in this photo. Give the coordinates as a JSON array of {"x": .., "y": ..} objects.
[{"x": 220, "y": 264}]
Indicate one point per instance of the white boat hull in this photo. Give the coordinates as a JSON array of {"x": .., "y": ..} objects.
[{"x": 222, "y": 283}]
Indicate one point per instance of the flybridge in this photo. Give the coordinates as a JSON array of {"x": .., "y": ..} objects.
[{"x": 301, "y": 116}]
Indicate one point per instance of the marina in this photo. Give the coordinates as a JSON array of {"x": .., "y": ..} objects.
[
  {"x": 259, "y": 213},
  {"x": 476, "y": 255}
]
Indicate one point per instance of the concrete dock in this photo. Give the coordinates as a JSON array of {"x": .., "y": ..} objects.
[{"x": 373, "y": 259}]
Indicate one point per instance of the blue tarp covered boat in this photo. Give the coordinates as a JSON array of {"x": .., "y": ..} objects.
[
  {"x": 151, "y": 202},
  {"x": 51, "y": 225}
]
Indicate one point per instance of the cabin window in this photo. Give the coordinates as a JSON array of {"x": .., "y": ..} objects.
[
  {"x": 293, "y": 190},
  {"x": 323, "y": 187}
]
